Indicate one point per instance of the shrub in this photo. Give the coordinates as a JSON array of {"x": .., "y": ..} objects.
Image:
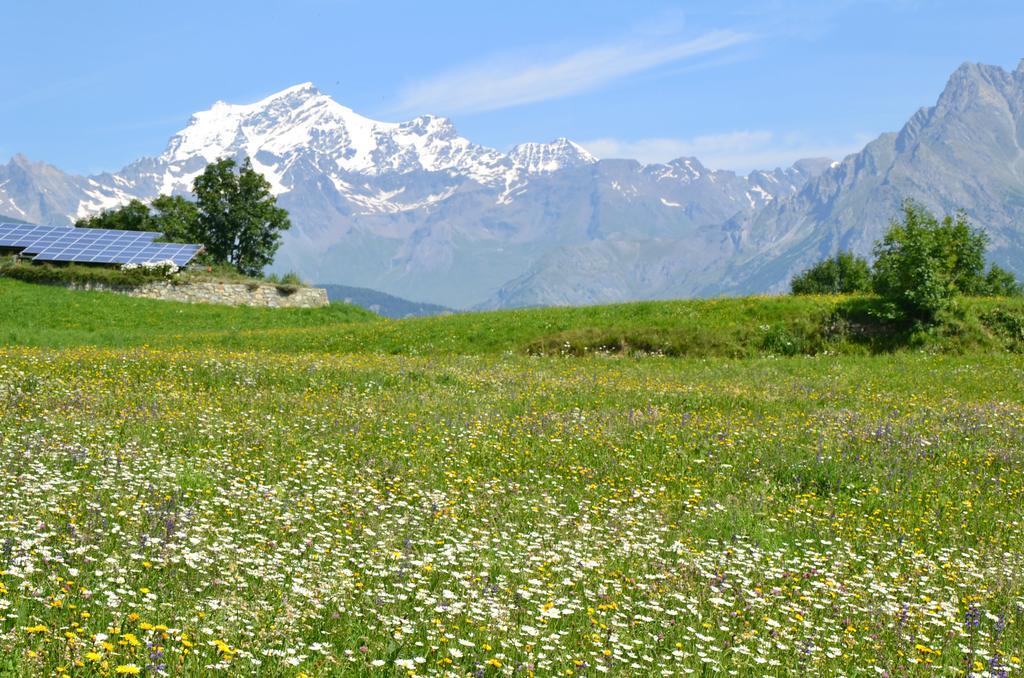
[
  {"x": 845, "y": 273},
  {"x": 81, "y": 275},
  {"x": 1006, "y": 324},
  {"x": 922, "y": 263},
  {"x": 289, "y": 283},
  {"x": 1000, "y": 283}
]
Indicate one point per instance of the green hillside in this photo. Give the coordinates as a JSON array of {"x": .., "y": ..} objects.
[
  {"x": 805, "y": 489},
  {"x": 43, "y": 315},
  {"x": 37, "y": 315}
]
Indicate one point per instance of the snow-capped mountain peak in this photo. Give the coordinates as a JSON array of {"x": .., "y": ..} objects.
[
  {"x": 303, "y": 121},
  {"x": 297, "y": 117},
  {"x": 306, "y": 144},
  {"x": 302, "y": 125},
  {"x": 561, "y": 153}
]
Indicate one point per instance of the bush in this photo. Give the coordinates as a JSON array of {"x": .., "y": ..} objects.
[
  {"x": 1000, "y": 283},
  {"x": 922, "y": 263},
  {"x": 80, "y": 275},
  {"x": 920, "y": 266},
  {"x": 1007, "y": 325},
  {"x": 846, "y": 273},
  {"x": 289, "y": 283}
]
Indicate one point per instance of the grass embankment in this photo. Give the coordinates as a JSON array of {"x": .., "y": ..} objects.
[{"x": 41, "y": 316}]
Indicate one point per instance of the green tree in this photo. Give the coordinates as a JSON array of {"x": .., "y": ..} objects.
[
  {"x": 239, "y": 221},
  {"x": 1000, "y": 283},
  {"x": 135, "y": 216},
  {"x": 845, "y": 273},
  {"x": 922, "y": 263},
  {"x": 176, "y": 217},
  {"x": 235, "y": 217}
]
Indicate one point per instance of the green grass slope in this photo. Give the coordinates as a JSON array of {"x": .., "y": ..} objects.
[{"x": 43, "y": 316}]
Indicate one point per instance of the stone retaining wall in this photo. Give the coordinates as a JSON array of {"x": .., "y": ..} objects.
[{"x": 232, "y": 294}]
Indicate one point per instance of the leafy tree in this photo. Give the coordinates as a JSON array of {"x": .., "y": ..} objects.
[
  {"x": 135, "y": 216},
  {"x": 845, "y": 273},
  {"x": 236, "y": 218},
  {"x": 176, "y": 217},
  {"x": 922, "y": 263},
  {"x": 1000, "y": 283},
  {"x": 239, "y": 221}
]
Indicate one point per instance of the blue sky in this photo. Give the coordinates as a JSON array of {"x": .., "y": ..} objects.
[{"x": 92, "y": 86}]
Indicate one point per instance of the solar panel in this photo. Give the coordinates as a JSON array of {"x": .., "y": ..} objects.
[
  {"x": 79, "y": 238},
  {"x": 178, "y": 253},
  {"x": 119, "y": 250},
  {"x": 97, "y": 246},
  {"x": 22, "y": 236},
  {"x": 93, "y": 245}
]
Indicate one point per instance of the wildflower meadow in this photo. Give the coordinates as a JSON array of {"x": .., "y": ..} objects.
[
  {"x": 194, "y": 491},
  {"x": 200, "y": 512}
]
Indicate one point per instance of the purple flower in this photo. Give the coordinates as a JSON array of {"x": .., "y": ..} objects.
[{"x": 972, "y": 619}]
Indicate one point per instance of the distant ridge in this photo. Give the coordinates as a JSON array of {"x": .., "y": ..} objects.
[{"x": 383, "y": 304}]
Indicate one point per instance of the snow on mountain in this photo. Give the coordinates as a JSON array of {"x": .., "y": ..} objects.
[
  {"x": 537, "y": 158},
  {"x": 300, "y": 136},
  {"x": 299, "y": 129},
  {"x": 303, "y": 122}
]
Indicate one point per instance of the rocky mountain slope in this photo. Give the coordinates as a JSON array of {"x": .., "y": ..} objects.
[
  {"x": 965, "y": 152},
  {"x": 416, "y": 210}
]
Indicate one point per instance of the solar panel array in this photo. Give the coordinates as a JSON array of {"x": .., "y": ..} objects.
[
  {"x": 93, "y": 245},
  {"x": 29, "y": 238}
]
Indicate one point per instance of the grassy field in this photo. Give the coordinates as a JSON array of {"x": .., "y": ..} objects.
[
  {"x": 52, "y": 317},
  {"x": 191, "y": 490}
]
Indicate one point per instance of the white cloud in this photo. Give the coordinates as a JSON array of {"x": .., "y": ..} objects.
[
  {"x": 503, "y": 83},
  {"x": 740, "y": 151}
]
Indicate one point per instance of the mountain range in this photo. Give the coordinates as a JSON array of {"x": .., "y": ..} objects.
[
  {"x": 418, "y": 211},
  {"x": 382, "y": 304}
]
